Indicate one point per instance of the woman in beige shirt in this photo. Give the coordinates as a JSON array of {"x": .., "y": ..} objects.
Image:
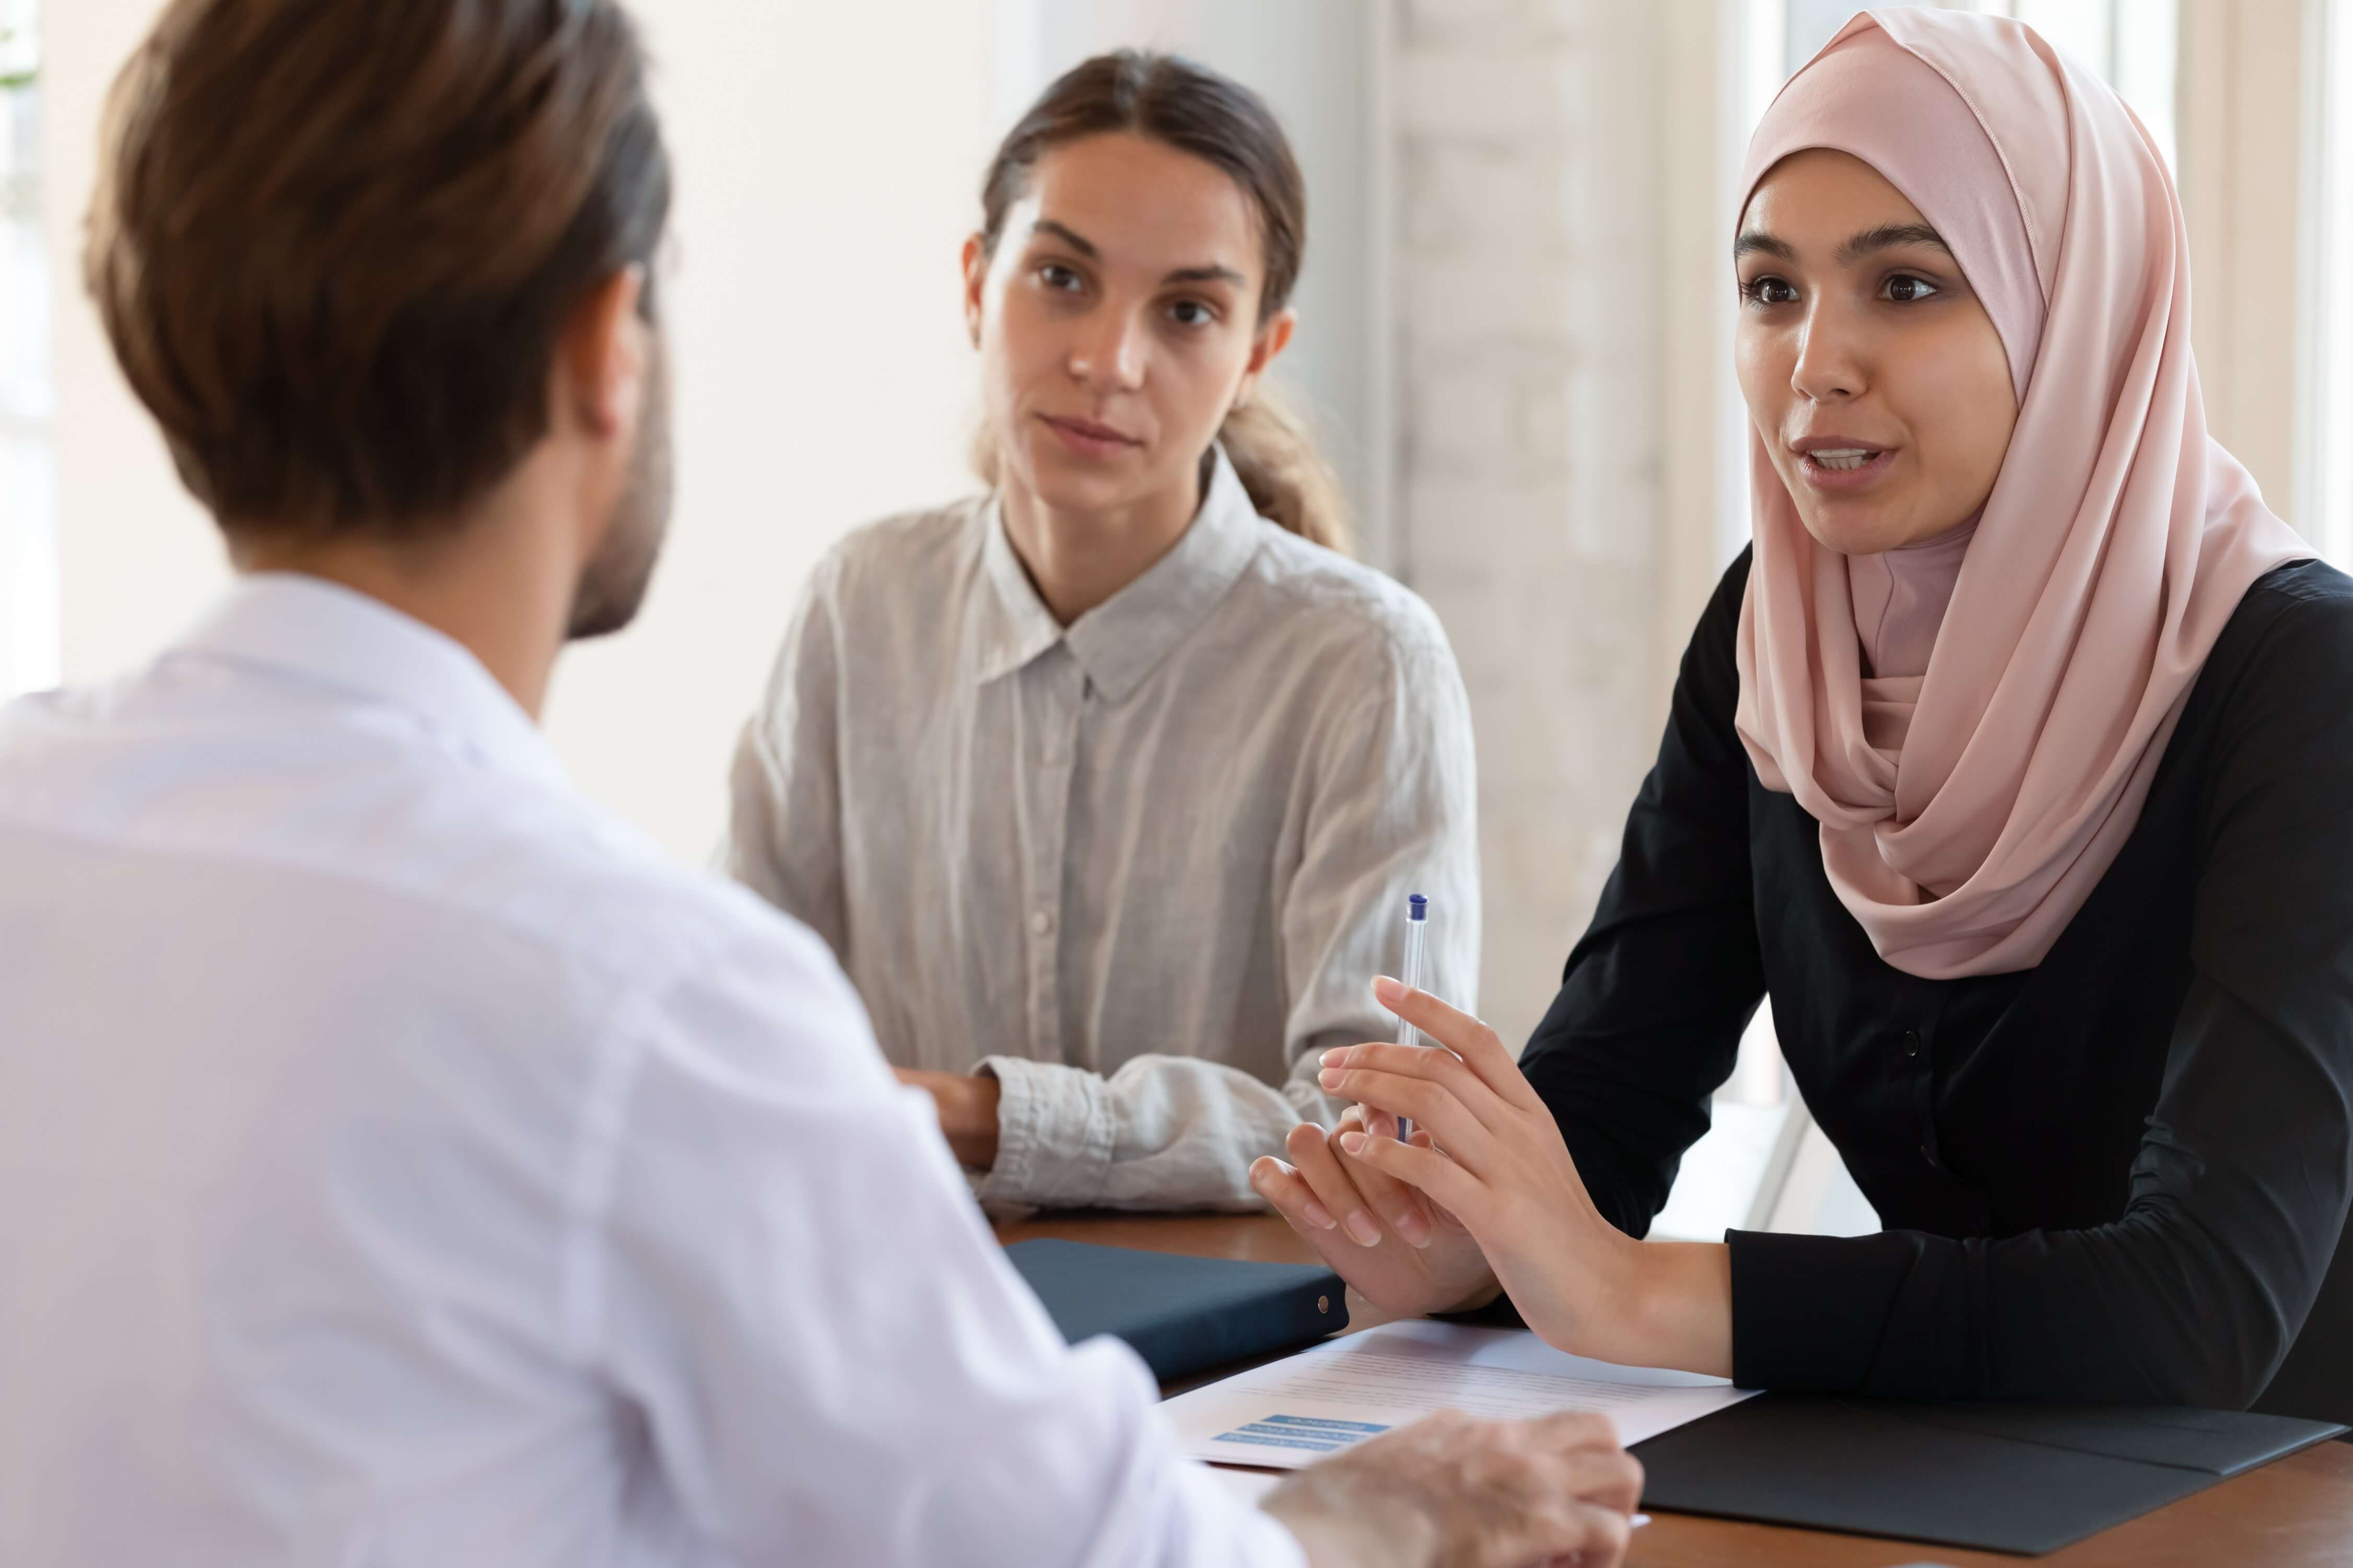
[{"x": 1108, "y": 788}]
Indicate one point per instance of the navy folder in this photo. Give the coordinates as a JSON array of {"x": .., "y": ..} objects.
[
  {"x": 1181, "y": 1314},
  {"x": 2005, "y": 1478}
]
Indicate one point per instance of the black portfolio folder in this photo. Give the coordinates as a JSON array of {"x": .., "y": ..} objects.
[
  {"x": 2004, "y": 1477},
  {"x": 1181, "y": 1314}
]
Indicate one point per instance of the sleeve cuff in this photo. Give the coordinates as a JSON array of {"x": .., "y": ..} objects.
[
  {"x": 1809, "y": 1313},
  {"x": 1055, "y": 1133}
]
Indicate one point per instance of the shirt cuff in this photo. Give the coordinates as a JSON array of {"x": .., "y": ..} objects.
[
  {"x": 1055, "y": 1134},
  {"x": 1809, "y": 1312}
]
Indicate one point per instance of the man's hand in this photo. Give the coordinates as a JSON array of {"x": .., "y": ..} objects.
[
  {"x": 1452, "y": 1492},
  {"x": 967, "y": 1105}
]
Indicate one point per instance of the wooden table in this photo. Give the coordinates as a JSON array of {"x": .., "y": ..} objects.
[{"x": 2296, "y": 1513}]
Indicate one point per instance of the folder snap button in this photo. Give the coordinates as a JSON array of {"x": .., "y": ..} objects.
[{"x": 1323, "y": 1303}]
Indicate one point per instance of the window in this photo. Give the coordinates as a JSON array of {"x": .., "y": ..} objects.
[
  {"x": 2131, "y": 43},
  {"x": 2323, "y": 460},
  {"x": 28, "y": 569}
]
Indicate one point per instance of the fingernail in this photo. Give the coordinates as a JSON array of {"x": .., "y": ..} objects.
[
  {"x": 1329, "y": 1077},
  {"x": 1352, "y": 1143},
  {"x": 1388, "y": 990},
  {"x": 1337, "y": 1056},
  {"x": 1319, "y": 1216},
  {"x": 1361, "y": 1227},
  {"x": 1413, "y": 1228}
]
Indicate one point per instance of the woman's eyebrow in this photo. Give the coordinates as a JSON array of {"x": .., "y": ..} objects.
[
  {"x": 1886, "y": 237},
  {"x": 1067, "y": 235},
  {"x": 1209, "y": 272},
  {"x": 1755, "y": 242}
]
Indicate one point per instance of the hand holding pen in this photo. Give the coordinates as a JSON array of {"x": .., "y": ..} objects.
[{"x": 1417, "y": 927}]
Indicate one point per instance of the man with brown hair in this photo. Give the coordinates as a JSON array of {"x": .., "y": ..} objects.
[{"x": 400, "y": 1160}]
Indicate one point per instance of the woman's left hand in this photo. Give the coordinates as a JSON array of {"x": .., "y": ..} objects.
[{"x": 1501, "y": 1168}]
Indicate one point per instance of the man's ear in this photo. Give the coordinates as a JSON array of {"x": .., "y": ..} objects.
[
  {"x": 1272, "y": 340},
  {"x": 605, "y": 355},
  {"x": 975, "y": 284}
]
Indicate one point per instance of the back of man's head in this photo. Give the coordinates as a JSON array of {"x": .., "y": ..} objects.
[{"x": 336, "y": 242}]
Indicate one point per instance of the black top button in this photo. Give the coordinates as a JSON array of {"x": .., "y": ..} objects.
[{"x": 1911, "y": 1042}]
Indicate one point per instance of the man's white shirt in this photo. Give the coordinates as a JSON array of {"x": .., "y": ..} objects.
[{"x": 402, "y": 1162}]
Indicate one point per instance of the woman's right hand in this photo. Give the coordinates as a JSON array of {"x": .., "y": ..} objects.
[{"x": 1400, "y": 1251}]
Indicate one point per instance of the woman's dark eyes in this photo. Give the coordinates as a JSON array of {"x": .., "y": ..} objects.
[
  {"x": 1062, "y": 279},
  {"x": 1903, "y": 289}
]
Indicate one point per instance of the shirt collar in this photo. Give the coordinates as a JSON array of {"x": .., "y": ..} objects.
[
  {"x": 1022, "y": 626},
  {"x": 320, "y": 631},
  {"x": 1123, "y": 640}
]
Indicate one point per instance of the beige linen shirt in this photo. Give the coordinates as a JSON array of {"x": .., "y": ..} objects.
[{"x": 1143, "y": 867}]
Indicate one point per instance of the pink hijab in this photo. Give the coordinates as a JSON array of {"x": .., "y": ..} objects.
[{"x": 1972, "y": 795}]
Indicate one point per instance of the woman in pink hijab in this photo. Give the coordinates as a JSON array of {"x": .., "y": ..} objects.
[{"x": 2014, "y": 764}]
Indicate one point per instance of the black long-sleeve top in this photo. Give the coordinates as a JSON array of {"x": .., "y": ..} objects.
[{"x": 2121, "y": 1175}]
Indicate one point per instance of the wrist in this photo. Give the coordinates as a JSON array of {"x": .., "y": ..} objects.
[
  {"x": 1480, "y": 1296},
  {"x": 1678, "y": 1307},
  {"x": 1342, "y": 1526},
  {"x": 973, "y": 1137}
]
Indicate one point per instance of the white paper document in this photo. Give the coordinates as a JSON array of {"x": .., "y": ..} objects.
[{"x": 1290, "y": 1412}]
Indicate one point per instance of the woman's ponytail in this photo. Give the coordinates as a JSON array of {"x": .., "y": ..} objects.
[{"x": 1288, "y": 480}]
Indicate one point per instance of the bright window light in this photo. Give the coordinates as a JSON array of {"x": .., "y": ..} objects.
[
  {"x": 2324, "y": 458},
  {"x": 28, "y": 557}
]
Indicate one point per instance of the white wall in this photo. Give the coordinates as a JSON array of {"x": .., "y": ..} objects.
[
  {"x": 135, "y": 556},
  {"x": 1530, "y": 437},
  {"x": 828, "y": 158}
]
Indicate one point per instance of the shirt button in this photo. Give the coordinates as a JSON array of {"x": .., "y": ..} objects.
[
  {"x": 1042, "y": 923},
  {"x": 1911, "y": 1042}
]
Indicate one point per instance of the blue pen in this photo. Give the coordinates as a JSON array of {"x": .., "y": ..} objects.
[{"x": 1417, "y": 927}]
